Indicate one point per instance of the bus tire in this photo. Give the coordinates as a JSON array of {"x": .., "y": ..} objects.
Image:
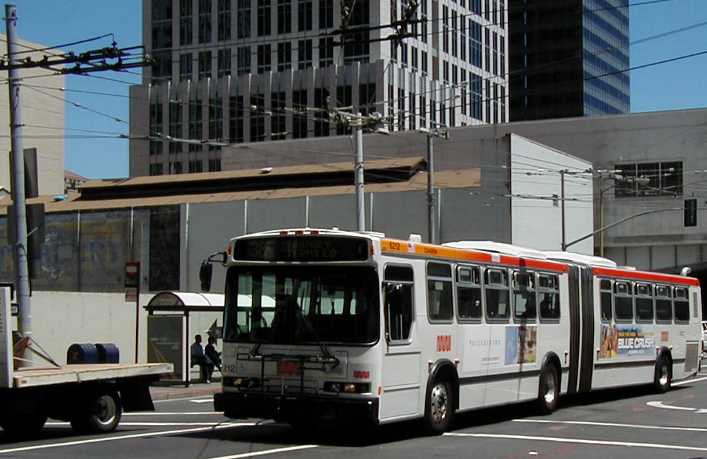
[
  {"x": 548, "y": 389},
  {"x": 101, "y": 414},
  {"x": 439, "y": 407},
  {"x": 663, "y": 375}
]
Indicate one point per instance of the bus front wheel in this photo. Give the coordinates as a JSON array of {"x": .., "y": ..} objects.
[
  {"x": 549, "y": 390},
  {"x": 663, "y": 377},
  {"x": 439, "y": 407}
]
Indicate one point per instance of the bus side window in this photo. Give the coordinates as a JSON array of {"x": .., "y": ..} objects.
[
  {"x": 524, "y": 300},
  {"x": 549, "y": 296},
  {"x": 644, "y": 302},
  {"x": 606, "y": 297},
  {"x": 440, "y": 304},
  {"x": 496, "y": 291},
  {"x": 663, "y": 304},
  {"x": 623, "y": 301},
  {"x": 682, "y": 305},
  {"x": 399, "y": 310},
  {"x": 469, "y": 292}
]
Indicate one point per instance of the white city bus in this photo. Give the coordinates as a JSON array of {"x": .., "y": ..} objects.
[{"x": 329, "y": 326}]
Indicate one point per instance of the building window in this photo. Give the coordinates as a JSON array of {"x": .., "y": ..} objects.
[
  {"x": 156, "y": 169},
  {"x": 243, "y": 14},
  {"x": 204, "y": 65},
  {"x": 235, "y": 119},
  {"x": 401, "y": 109},
  {"x": 185, "y": 67},
  {"x": 404, "y": 53},
  {"x": 463, "y": 38},
  {"x": 326, "y": 52},
  {"x": 277, "y": 108},
  {"x": 423, "y": 58},
  {"x": 424, "y": 21},
  {"x": 284, "y": 56},
  {"x": 487, "y": 50},
  {"x": 413, "y": 55},
  {"x": 195, "y": 118},
  {"x": 326, "y": 14},
  {"x": 495, "y": 53},
  {"x": 195, "y": 166},
  {"x": 474, "y": 43},
  {"x": 445, "y": 29},
  {"x": 445, "y": 71},
  {"x": 162, "y": 66},
  {"x": 344, "y": 98},
  {"x": 224, "y": 20},
  {"x": 476, "y": 95},
  {"x": 263, "y": 58},
  {"x": 263, "y": 17},
  {"x": 215, "y": 122},
  {"x": 299, "y": 118},
  {"x": 155, "y": 128},
  {"x": 455, "y": 34},
  {"x": 161, "y": 24},
  {"x": 413, "y": 114},
  {"x": 367, "y": 98},
  {"x": 284, "y": 16},
  {"x": 186, "y": 29},
  {"x": 502, "y": 51},
  {"x": 304, "y": 15},
  {"x": 487, "y": 93},
  {"x": 649, "y": 179},
  {"x": 257, "y": 118},
  {"x": 175, "y": 127},
  {"x": 224, "y": 62},
  {"x": 462, "y": 98},
  {"x": 304, "y": 54},
  {"x": 243, "y": 58},
  {"x": 215, "y": 165},
  {"x": 503, "y": 103},
  {"x": 204, "y": 21},
  {"x": 358, "y": 49},
  {"x": 321, "y": 120},
  {"x": 176, "y": 167}
]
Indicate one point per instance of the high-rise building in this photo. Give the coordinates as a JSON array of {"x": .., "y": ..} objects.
[
  {"x": 236, "y": 71},
  {"x": 567, "y": 58}
]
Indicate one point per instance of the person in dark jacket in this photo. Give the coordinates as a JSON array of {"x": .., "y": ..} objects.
[{"x": 212, "y": 354}]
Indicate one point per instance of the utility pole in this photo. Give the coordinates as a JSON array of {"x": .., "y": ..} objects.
[
  {"x": 358, "y": 178},
  {"x": 24, "y": 317},
  {"x": 562, "y": 200},
  {"x": 430, "y": 191}
]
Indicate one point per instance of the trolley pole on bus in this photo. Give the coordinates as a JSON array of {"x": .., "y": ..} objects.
[
  {"x": 562, "y": 202},
  {"x": 24, "y": 316}
]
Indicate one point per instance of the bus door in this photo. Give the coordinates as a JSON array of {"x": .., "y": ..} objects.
[{"x": 401, "y": 355}]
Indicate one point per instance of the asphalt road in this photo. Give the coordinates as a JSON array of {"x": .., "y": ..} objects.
[{"x": 625, "y": 423}]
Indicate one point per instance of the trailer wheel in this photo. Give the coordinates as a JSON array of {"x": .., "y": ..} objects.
[
  {"x": 663, "y": 374},
  {"x": 23, "y": 426},
  {"x": 439, "y": 407},
  {"x": 101, "y": 414},
  {"x": 549, "y": 390}
]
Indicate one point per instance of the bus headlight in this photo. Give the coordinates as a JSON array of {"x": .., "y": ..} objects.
[{"x": 346, "y": 387}]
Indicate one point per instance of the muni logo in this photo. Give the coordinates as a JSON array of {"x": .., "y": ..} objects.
[{"x": 444, "y": 343}]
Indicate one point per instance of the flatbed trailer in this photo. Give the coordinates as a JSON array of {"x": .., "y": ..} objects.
[{"x": 92, "y": 397}]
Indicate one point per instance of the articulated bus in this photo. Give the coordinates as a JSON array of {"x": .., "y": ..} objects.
[{"x": 327, "y": 326}]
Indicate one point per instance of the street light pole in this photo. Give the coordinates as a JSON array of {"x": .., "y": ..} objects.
[
  {"x": 562, "y": 199},
  {"x": 358, "y": 179},
  {"x": 430, "y": 191}
]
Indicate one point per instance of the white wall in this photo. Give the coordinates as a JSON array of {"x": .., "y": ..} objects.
[{"x": 537, "y": 222}]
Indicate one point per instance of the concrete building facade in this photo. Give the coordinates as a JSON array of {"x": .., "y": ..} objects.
[
  {"x": 43, "y": 119},
  {"x": 238, "y": 71},
  {"x": 568, "y": 58}
]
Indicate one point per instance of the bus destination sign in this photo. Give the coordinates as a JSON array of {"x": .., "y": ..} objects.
[{"x": 302, "y": 248}]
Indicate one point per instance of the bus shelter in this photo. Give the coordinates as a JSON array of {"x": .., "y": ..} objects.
[{"x": 172, "y": 319}]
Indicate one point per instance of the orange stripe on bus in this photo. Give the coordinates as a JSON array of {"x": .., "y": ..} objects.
[
  {"x": 431, "y": 250},
  {"x": 646, "y": 276}
]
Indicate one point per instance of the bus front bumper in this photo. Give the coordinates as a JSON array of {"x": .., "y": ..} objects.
[{"x": 239, "y": 405}]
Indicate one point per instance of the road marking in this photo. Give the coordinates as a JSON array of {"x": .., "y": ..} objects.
[
  {"x": 689, "y": 381},
  {"x": 579, "y": 441},
  {"x": 171, "y": 413},
  {"x": 124, "y": 437},
  {"x": 145, "y": 424},
  {"x": 612, "y": 424},
  {"x": 267, "y": 451},
  {"x": 183, "y": 399},
  {"x": 659, "y": 404},
  {"x": 202, "y": 400}
]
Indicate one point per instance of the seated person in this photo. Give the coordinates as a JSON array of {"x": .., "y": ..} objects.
[
  {"x": 199, "y": 358},
  {"x": 212, "y": 354}
]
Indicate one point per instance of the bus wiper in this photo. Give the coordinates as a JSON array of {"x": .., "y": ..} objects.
[{"x": 326, "y": 355}]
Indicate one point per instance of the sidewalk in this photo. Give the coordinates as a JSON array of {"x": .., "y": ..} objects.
[{"x": 194, "y": 390}]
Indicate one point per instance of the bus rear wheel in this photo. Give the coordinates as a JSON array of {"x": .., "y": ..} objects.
[
  {"x": 663, "y": 377},
  {"x": 549, "y": 390},
  {"x": 439, "y": 407}
]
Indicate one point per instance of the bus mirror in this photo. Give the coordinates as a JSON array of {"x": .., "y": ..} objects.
[{"x": 205, "y": 273}]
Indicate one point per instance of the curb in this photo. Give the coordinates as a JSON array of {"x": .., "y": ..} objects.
[{"x": 159, "y": 393}]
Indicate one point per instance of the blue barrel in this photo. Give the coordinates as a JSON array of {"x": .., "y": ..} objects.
[
  {"x": 82, "y": 353},
  {"x": 108, "y": 353}
]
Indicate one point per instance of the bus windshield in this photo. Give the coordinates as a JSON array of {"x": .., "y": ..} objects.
[{"x": 302, "y": 305}]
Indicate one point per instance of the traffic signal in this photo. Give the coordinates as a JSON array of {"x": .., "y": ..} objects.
[{"x": 690, "y": 212}]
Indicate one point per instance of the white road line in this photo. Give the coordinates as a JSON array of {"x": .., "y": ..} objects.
[
  {"x": 171, "y": 413},
  {"x": 689, "y": 381},
  {"x": 658, "y": 404},
  {"x": 122, "y": 437},
  {"x": 579, "y": 441},
  {"x": 202, "y": 400},
  {"x": 267, "y": 451},
  {"x": 612, "y": 424},
  {"x": 145, "y": 424},
  {"x": 183, "y": 399}
]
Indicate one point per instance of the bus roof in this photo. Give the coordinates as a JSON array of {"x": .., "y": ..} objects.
[{"x": 645, "y": 276}]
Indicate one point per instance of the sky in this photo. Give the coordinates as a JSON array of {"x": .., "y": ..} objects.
[{"x": 676, "y": 85}]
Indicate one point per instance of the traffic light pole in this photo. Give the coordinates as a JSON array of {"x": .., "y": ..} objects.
[{"x": 24, "y": 318}]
